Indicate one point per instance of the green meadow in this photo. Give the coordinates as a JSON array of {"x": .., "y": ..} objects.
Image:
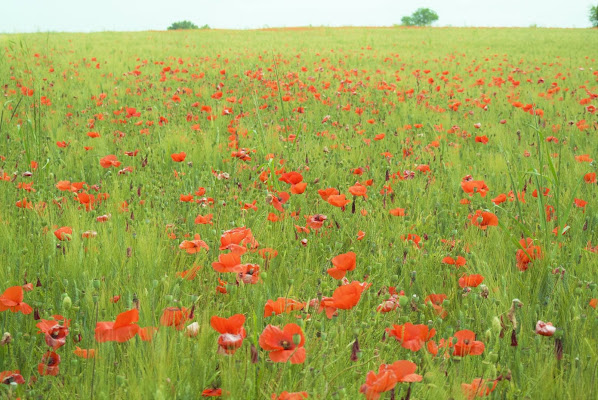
[{"x": 426, "y": 195}]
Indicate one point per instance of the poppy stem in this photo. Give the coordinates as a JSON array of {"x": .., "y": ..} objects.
[{"x": 93, "y": 370}]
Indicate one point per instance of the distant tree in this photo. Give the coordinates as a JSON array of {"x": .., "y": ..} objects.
[
  {"x": 182, "y": 25},
  {"x": 594, "y": 16},
  {"x": 421, "y": 17}
]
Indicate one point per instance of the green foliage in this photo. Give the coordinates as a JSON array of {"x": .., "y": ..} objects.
[
  {"x": 594, "y": 16},
  {"x": 184, "y": 25},
  {"x": 421, "y": 17},
  {"x": 136, "y": 253}
]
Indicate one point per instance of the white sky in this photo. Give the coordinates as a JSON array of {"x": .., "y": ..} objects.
[{"x": 134, "y": 15}]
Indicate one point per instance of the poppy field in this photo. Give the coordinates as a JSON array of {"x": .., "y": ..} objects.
[{"x": 299, "y": 214}]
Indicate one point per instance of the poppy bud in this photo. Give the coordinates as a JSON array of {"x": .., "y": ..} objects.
[
  {"x": 492, "y": 357},
  {"x": 67, "y": 303},
  {"x": 403, "y": 301},
  {"x": 355, "y": 351},
  {"x": 254, "y": 354},
  {"x": 96, "y": 283},
  {"x": 168, "y": 298},
  {"x": 192, "y": 330},
  {"x": 6, "y": 339},
  {"x": 121, "y": 380},
  {"x": 296, "y": 339}
]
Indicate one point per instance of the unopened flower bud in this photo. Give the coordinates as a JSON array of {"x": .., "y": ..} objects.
[{"x": 192, "y": 329}]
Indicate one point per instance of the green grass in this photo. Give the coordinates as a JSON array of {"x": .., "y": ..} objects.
[{"x": 373, "y": 69}]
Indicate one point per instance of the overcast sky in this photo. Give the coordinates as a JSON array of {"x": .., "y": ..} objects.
[{"x": 135, "y": 15}]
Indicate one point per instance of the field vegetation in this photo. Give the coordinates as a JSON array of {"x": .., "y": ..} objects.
[{"x": 299, "y": 213}]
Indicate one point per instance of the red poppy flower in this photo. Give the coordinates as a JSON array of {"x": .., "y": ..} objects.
[
  {"x": 49, "y": 364},
  {"x": 289, "y": 396},
  {"x": 63, "y": 233},
  {"x": 189, "y": 274},
  {"x": 590, "y": 177},
  {"x": 178, "y": 157},
  {"x": 12, "y": 299},
  {"x": 470, "y": 280},
  {"x": 338, "y": 200},
  {"x": 436, "y": 301},
  {"x": 8, "y": 377},
  {"x": 84, "y": 353},
  {"x": 231, "y": 332},
  {"x": 315, "y": 222},
  {"x": 387, "y": 377},
  {"x": 326, "y": 193},
  {"x": 284, "y": 344},
  {"x": 483, "y": 219},
  {"x": 501, "y": 198},
  {"x": 344, "y": 297},
  {"x": 227, "y": 262},
  {"x": 411, "y": 336},
  {"x": 55, "y": 333},
  {"x": 457, "y": 262},
  {"x": 397, "y": 212},
  {"x": 478, "y": 388},
  {"x": 123, "y": 329},
  {"x": 358, "y": 190},
  {"x": 282, "y": 305},
  {"x": 200, "y": 219},
  {"x": 110, "y": 161},
  {"x": 249, "y": 274},
  {"x": 238, "y": 236},
  {"x": 342, "y": 263},
  {"x": 194, "y": 246},
  {"x": 211, "y": 392},
  {"x": 526, "y": 255},
  {"x": 466, "y": 344},
  {"x": 174, "y": 316},
  {"x": 472, "y": 187}
]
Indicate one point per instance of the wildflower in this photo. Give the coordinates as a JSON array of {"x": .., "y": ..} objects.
[
  {"x": 178, "y": 157},
  {"x": 63, "y": 233},
  {"x": 123, "y": 329},
  {"x": 483, "y": 219},
  {"x": 466, "y": 344},
  {"x": 84, "y": 353},
  {"x": 55, "y": 333},
  {"x": 470, "y": 280},
  {"x": 12, "y": 299},
  {"x": 527, "y": 254},
  {"x": 284, "y": 344},
  {"x": 109, "y": 161},
  {"x": 49, "y": 364},
  {"x": 194, "y": 246},
  {"x": 478, "y": 388},
  {"x": 281, "y": 305},
  {"x": 174, "y": 316},
  {"x": 545, "y": 328},
  {"x": 411, "y": 336},
  {"x": 342, "y": 263},
  {"x": 8, "y": 377},
  {"x": 387, "y": 377},
  {"x": 231, "y": 332}
]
